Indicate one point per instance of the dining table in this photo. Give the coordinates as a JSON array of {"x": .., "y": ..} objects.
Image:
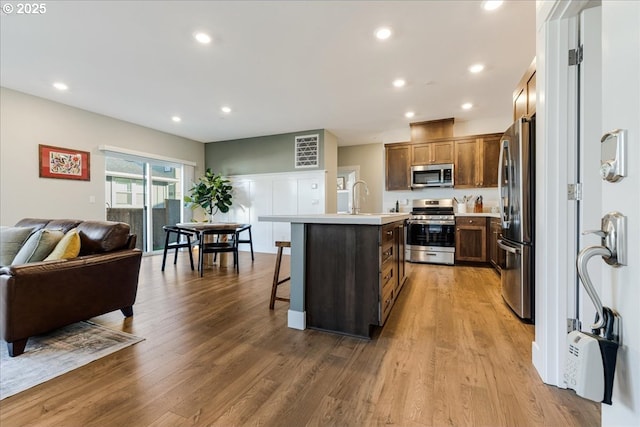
[{"x": 199, "y": 227}]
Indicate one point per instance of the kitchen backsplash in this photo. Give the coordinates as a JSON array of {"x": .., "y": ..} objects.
[{"x": 489, "y": 197}]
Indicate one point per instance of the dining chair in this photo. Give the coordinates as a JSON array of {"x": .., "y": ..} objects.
[
  {"x": 243, "y": 228},
  {"x": 218, "y": 241},
  {"x": 175, "y": 239}
]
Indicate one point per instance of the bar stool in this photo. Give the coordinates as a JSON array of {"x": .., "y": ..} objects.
[{"x": 276, "y": 275}]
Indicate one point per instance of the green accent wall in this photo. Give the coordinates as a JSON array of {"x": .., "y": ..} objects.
[{"x": 263, "y": 154}]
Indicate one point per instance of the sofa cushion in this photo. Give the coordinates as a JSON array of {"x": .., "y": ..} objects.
[
  {"x": 34, "y": 223},
  {"x": 62, "y": 224},
  {"x": 39, "y": 244},
  {"x": 11, "y": 240},
  {"x": 102, "y": 236},
  {"x": 68, "y": 247}
]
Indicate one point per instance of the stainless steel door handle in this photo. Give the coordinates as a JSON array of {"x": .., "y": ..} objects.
[
  {"x": 510, "y": 249},
  {"x": 613, "y": 251},
  {"x": 583, "y": 258}
]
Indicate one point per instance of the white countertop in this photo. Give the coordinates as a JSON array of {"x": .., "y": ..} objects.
[{"x": 360, "y": 219}]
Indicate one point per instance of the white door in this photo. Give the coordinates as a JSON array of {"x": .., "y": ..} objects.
[
  {"x": 621, "y": 286},
  {"x": 590, "y": 129}
]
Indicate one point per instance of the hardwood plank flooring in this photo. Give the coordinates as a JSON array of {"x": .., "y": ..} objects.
[{"x": 451, "y": 354}]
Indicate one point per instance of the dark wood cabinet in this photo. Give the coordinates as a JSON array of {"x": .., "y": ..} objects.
[
  {"x": 397, "y": 167},
  {"x": 402, "y": 261},
  {"x": 431, "y": 130},
  {"x": 466, "y": 163},
  {"x": 489, "y": 160},
  {"x": 353, "y": 274},
  {"x": 524, "y": 97},
  {"x": 432, "y": 153},
  {"x": 471, "y": 239},
  {"x": 496, "y": 253},
  {"x": 476, "y": 161},
  {"x": 388, "y": 271}
]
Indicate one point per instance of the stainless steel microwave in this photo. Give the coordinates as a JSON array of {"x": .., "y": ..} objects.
[{"x": 440, "y": 175}]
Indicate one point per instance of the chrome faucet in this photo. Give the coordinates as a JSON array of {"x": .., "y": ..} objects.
[{"x": 355, "y": 207}]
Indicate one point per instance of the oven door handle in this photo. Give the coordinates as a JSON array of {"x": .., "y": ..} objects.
[
  {"x": 434, "y": 222},
  {"x": 508, "y": 248}
]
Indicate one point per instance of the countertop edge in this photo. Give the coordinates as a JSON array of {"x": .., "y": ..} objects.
[{"x": 336, "y": 219}]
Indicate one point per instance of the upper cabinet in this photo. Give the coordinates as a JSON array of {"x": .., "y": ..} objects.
[
  {"x": 490, "y": 158},
  {"x": 524, "y": 97},
  {"x": 475, "y": 158},
  {"x": 397, "y": 166},
  {"x": 467, "y": 153},
  {"x": 431, "y": 130},
  {"x": 476, "y": 161},
  {"x": 432, "y": 153}
]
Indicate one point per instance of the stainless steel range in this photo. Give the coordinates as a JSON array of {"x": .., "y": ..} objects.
[{"x": 431, "y": 232}]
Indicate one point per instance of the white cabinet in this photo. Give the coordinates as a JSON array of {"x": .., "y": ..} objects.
[{"x": 294, "y": 193}]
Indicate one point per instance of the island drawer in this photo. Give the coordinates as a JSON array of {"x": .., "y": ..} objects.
[
  {"x": 387, "y": 275},
  {"x": 387, "y": 235},
  {"x": 387, "y": 254},
  {"x": 386, "y": 303}
]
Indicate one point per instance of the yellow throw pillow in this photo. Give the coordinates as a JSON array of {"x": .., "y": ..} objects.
[{"x": 68, "y": 247}]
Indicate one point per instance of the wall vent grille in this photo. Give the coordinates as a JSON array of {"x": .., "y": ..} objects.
[{"x": 307, "y": 151}]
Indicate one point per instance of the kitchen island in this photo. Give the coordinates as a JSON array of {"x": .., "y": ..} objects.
[{"x": 346, "y": 270}]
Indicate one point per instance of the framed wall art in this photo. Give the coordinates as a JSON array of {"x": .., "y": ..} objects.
[{"x": 63, "y": 163}]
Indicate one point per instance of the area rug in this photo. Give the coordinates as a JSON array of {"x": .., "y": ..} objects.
[{"x": 63, "y": 350}]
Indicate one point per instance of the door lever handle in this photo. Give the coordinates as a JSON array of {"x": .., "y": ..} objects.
[
  {"x": 598, "y": 233},
  {"x": 581, "y": 263}
]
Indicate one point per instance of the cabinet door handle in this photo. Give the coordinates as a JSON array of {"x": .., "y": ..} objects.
[{"x": 389, "y": 233}]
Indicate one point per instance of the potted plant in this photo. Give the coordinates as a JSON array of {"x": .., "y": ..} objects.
[{"x": 212, "y": 193}]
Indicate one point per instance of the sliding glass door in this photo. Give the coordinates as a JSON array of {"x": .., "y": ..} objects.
[{"x": 145, "y": 193}]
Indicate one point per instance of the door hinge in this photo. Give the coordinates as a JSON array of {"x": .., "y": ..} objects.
[
  {"x": 575, "y": 56},
  {"x": 574, "y": 191}
]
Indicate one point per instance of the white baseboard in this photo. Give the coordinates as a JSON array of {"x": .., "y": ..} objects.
[
  {"x": 297, "y": 320},
  {"x": 537, "y": 360}
]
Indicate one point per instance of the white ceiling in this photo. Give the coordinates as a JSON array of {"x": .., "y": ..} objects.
[{"x": 282, "y": 66}]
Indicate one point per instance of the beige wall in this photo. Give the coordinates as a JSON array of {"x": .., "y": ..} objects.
[
  {"x": 27, "y": 121},
  {"x": 370, "y": 158}
]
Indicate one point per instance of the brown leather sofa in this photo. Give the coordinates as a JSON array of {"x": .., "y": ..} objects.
[{"x": 38, "y": 297}]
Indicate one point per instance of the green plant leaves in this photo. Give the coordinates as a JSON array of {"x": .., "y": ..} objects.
[{"x": 212, "y": 192}]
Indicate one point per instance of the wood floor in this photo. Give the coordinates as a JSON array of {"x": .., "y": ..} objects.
[{"x": 451, "y": 354}]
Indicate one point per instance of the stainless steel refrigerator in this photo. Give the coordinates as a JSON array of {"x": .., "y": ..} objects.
[{"x": 516, "y": 183}]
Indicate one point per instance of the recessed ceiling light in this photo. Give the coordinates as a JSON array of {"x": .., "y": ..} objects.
[
  {"x": 383, "y": 33},
  {"x": 176, "y": 119},
  {"x": 491, "y": 4},
  {"x": 60, "y": 86},
  {"x": 203, "y": 38},
  {"x": 409, "y": 114},
  {"x": 399, "y": 82},
  {"x": 476, "y": 68},
  {"x": 226, "y": 109},
  {"x": 467, "y": 106}
]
